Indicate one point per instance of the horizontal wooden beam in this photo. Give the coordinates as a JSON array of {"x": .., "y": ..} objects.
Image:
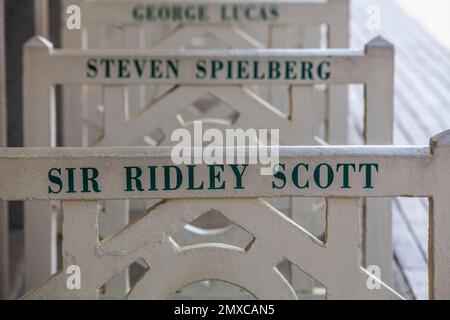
[
  {"x": 214, "y": 67},
  {"x": 123, "y": 173},
  {"x": 212, "y": 12}
]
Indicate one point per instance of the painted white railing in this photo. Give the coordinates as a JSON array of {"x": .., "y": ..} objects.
[
  {"x": 207, "y": 24},
  {"x": 237, "y": 24},
  {"x": 45, "y": 67},
  {"x": 81, "y": 177},
  {"x": 290, "y": 24}
]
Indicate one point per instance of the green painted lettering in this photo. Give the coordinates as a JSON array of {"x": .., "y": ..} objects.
[
  {"x": 329, "y": 178},
  {"x": 214, "y": 176},
  {"x": 133, "y": 174},
  {"x": 243, "y": 72},
  {"x": 167, "y": 178},
  {"x": 90, "y": 175},
  {"x": 368, "y": 168},
  {"x": 92, "y": 68},
  {"x": 152, "y": 170},
  {"x": 71, "y": 180},
  {"x": 307, "y": 73},
  {"x": 323, "y": 70},
  {"x": 280, "y": 176},
  {"x": 191, "y": 178},
  {"x": 201, "y": 69},
  {"x": 296, "y": 175},
  {"x": 55, "y": 179},
  {"x": 345, "y": 173},
  {"x": 238, "y": 174},
  {"x": 216, "y": 65},
  {"x": 124, "y": 71}
]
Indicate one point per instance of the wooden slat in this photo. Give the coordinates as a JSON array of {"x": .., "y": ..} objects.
[
  {"x": 40, "y": 218},
  {"x": 42, "y": 17},
  {"x": 412, "y": 171}
]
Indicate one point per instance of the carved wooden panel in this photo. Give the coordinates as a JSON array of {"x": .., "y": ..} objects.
[
  {"x": 155, "y": 122},
  {"x": 415, "y": 171}
]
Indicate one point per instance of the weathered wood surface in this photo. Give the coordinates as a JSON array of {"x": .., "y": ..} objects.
[
  {"x": 126, "y": 12},
  {"x": 371, "y": 67},
  {"x": 419, "y": 171},
  {"x": 184, "y": 265},
  {"x": 125, "y": 67},
  {"x": 410, "y": 128},
  {"x": 112, "y": 160},
  {"x": 395, "y": 165},
  {"x": 235, "y": 24},
  {"x": 42, "y": 18},
  {"x": 203, "y": 25},
  {"x": 422, "y": 101}
]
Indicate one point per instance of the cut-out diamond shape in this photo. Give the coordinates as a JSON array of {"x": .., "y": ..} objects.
[
  {"x": 208, "y": 108},
  {"x": 213, "y": 227}
]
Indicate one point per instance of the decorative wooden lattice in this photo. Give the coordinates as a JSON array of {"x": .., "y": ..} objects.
[
  {"x": 113, "y": 24},
  {"x": 171, "y": 267},
  {"x": 253, "y": 24},
  {"x": 418, "y": 171},
  {"x": 123, "y": 24},
  {"x": 69, "y": 67}
]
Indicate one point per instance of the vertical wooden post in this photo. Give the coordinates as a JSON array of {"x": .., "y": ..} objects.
[
  {"x": 39, "y": 123},
  {"x": 116, "y": 213},
  {"x": 42, "y": 25},
  {"x": 79, "y": 250},
  {"x": 72, "y": 96},
  {"x": 439, "y": 247},
  {"x": 379, "y": 123},
  {"x": 278, "y": 95},
  {"x": 133, "y": 37},
  {"x": 301, "y": 209},
  {"x": 338, "y": 37},
  {"x": 4, "y": 223},
  {"x": 439, "y": 221}
]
